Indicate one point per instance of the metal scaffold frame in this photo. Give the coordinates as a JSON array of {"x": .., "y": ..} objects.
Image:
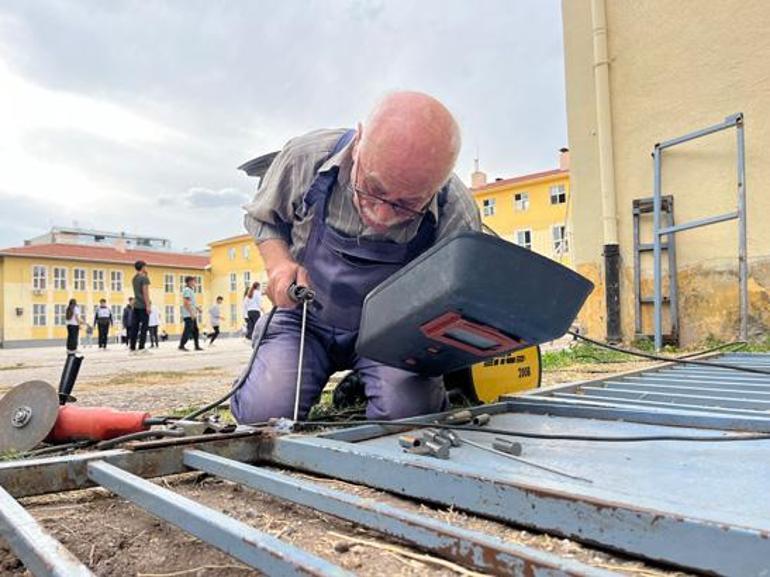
[{"x": 659, "y": 232}]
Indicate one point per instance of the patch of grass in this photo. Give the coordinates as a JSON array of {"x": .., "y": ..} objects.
[
  {"x": 10, "y": 455},
  {"x": 223, "y": 412},
  {"x": 14, "y": 367},
  {"x": 582, "y": 354},
  {"x": 149, "y": 377}
]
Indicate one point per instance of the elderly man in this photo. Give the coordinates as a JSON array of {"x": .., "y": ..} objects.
[{"x": 340, "y": 211}]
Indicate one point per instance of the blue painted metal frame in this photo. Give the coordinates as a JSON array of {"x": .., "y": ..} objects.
[
  {"x": 257, "y": 549},
  {"x": 43, "y": 555},
  {"x": 470, "y": 548}
]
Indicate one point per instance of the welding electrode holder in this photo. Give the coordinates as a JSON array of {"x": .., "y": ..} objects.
[{"x": 300, "y": 293}]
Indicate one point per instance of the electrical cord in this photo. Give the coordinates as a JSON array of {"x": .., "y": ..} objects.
[
  {"x": 527, "y": 435},
  {"x": 654, "y": 357}
]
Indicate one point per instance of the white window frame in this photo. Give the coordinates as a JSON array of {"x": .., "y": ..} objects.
[
  {"x": 168, "y": 283},
  {"x": 560, "y": 240},
  {"x": 246, "y": 252},
  {"x": 181, "y": 282},
  {"x": 39, "y": 277},
  {"x": 97, "y": 279},
  {"x": 488, "y": 206},
  {"x": 526, "y": 232},
  {"x": 231, "y": 253},
  {"x": 116, "y": 281},
  {"x": 233, "y": 282},
  {"x": 59, "y": 315},
  {"x": 558, "y": 194},
  {"x": 117, "y": 314},
  {"x": 59, "y": 278},
  {"x": 79, "y": 279},
  {"x": 246, "y": 279},
  {"x": 233, "y": 313},
  {"x": 169, "y": 314},
  {"x": 39, "y": 315},
  {"x": 521, "y": 204}
]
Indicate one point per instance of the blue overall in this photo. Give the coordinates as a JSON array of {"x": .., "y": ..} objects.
[{"x": 342, "y": 271}]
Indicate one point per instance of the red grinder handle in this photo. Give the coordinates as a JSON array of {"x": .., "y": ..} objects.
[{"x": 95, "y": 424}]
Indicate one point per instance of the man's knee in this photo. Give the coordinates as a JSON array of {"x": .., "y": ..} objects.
[{"x": 411, "y": 397}]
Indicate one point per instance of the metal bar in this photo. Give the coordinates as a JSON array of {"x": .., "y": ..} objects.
[
  {"x": 715, "y": 391},
  {"x": 673, "y": 287},
  {"x": 469, "y": 548},
  {"x": 698, "y": 223},
  {"x": 656, "y": 251},
  {"x": 743, "y": 263},
  {"x": 702, "y": 379},
  {"x": 729, "y": 122},
  {"x": 574, "y": 510},
  {"x": 611, "y": 411},
  {"x": 41, "y": 554},
  {"x": 692, "y": 407},
  {"x": 56, "y": 474},
  {"x": 247, "y": 544},
  {"x": 637, "y": 275},
  {"x": 700, "y": 400}
]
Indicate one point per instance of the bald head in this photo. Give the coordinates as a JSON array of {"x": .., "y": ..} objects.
[{"x": 407, "y": 148}]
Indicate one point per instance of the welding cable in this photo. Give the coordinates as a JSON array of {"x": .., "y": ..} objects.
[
  {"x": 654, "y": 357},
  {"x": 139, "y": 436},
  {"x": 241, "y": 379},
  {"x": 544, "y": 436}
]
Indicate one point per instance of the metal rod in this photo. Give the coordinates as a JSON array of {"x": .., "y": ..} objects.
[
  {"x": 524, "y": 461},
  {"x": 743, "y": 263},
  {"x": 729, "y": 122},
  {"x": 699, "y": 222},
  {"x": 692, "y": 407},
  {"x": 247, "y": 544},
  {"x": 43, "y": 555},
  {"x": 675, "y": 399},
  {"x": 299, "y": 361},
  {"x": 656, "y": 251},
  {"x": 467, "y": 547}
]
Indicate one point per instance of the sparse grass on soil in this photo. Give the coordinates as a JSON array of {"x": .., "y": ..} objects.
[{"x": 159, "y": 377}]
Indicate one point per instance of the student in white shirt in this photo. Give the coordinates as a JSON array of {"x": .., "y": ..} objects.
[
  {"x": 73, "y": 321},
  {"x": 253, "y": 306},
  {"x": 215, "y": 316},
  {"x": 152, "y": 326}
]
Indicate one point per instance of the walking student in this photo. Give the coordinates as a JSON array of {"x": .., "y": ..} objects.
[
  {"x": 103, "y": 322},
  {"x": 142, "y": 306},
  {"x": 253, "y": 305},
  {"x": 152, "y": 324},
  {"x": 128, "y": 320},
  {"x": 215, "y": 315},
  {"x": 73, "y": 321},
  {"x": 189, "y": 315}
]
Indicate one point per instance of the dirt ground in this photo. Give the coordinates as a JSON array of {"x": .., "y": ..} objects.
[{"x": 115, "y": 538}]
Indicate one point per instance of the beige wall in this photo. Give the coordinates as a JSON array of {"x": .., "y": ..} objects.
[{"x": 675, "y": 67}]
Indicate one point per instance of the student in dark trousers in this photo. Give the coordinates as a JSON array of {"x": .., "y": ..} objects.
[
  {"x": 128, "y": 319},
  {"x": 142, "y": 306},
  {"x": 103, "y": 322},
  {"x": 73, "y": 321},
  {"x": 189, "y": 315},
  {"x": 215, "y": 314},
  {"x": 253, "y": 305},
  {"x": 153, "y": 322}
]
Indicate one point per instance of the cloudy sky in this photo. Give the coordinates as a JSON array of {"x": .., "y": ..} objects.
[{"x": 133, "y": 115}]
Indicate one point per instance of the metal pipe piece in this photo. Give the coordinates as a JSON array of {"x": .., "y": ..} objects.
[{"x": 699, "y": 222}]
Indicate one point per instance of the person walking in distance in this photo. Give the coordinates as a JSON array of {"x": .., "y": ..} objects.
[
  {"x": 253, "y": 305},
  {"x": 142, "y": 306},
  {"x": 103, "y": 322},
  {"x": 245, "y": 308},
  {"x": 153, "y": 320},
  {"x": 73, "y": 321},
  {"x": 189, "y": 315},
  {"x": 128, "y": 319},
  {"x": 215, "y": 314}
]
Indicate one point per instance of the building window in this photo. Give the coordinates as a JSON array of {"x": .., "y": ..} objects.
[
  {"x": 199, "y": 317},
  {"x": 524, "y": 238},
  {"x": 79, "y": 279},
  {"x": 39, "y": 278},
  {"x": 38, "y": 316},
  {"x": 246, "y": 279},
  {"x": 488, "y": 205},
  {"x": 231, "y": 253},
  {"x": 59, "y": 315},
  {"x": 181, "y": 282},
  {"x": 521, "y": 201},
  {"x": 170, "y": 315},
  {"x": 558, "y": 194},
  {"x": 116, "y": 281},
  {"x": 246, "y": 251},
  {"x": 560, "y": 244},
  {"x": 168, "y": 283},
  {"x": 98, "y": 280},
  {"x": 233, "y": 282},
  {"x": 233, "y": 313},
  {"x": 117, "y": 314},
  {"x": 59, "y": 278},
  {"x": 198, "y": 284}
]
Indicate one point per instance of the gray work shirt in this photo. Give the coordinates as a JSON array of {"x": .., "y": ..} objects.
[{"x": 278, "y": 202}]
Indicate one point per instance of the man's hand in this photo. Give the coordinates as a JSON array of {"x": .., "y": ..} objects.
[{"x": 280, "y": 278}]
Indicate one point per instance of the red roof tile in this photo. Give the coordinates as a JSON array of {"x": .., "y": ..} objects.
[
  {"x": 83, "y": 252},
  {"x": 517, "y": 179}
]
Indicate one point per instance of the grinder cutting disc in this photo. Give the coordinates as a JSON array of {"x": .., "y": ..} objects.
[{"x": 28, "y": 412}]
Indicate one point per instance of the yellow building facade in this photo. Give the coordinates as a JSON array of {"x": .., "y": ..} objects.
[
  {"x": 531, "y": 210},
  {"x": 36, "y": 283},
  {"x": 235, "y": 264},
  {"x": 640, "y": 73}
]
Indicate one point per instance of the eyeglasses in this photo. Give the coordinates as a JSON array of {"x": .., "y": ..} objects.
[{"x": 376, "y": 200}]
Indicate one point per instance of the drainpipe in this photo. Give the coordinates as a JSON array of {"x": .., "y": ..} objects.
[{"x": 611, "y": 250}]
